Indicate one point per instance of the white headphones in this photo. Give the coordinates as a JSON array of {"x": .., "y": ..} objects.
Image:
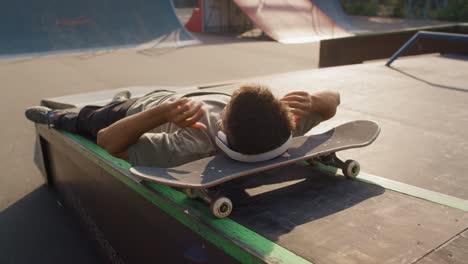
[{"x": 222, "y": 143}]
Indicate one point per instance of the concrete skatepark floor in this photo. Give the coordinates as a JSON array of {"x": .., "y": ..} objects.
[{"x": 25, "y": 81}]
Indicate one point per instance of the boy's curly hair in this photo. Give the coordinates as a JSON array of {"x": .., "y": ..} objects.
[{"x": 255, "y": 121}]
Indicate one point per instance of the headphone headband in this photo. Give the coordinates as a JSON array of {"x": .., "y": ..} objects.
[{"x": 222, "y": 143}]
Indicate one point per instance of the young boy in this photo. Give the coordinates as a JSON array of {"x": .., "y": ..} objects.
[{"x": 166, "y": 128}]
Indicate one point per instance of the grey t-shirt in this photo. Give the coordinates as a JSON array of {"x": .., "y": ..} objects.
[{"x": 169, "y": 145}]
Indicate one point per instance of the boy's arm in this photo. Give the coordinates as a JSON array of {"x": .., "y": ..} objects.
[
  {"x": 117, "y": 137},
  {"x": 302, "y": 104}
]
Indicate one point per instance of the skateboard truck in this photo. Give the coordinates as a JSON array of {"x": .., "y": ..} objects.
[
  {"x": 350, "y": 168},
  {"x": 220, "y": 206}
]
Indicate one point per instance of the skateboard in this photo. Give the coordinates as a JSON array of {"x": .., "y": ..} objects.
[{"x": 198, "y": 178}]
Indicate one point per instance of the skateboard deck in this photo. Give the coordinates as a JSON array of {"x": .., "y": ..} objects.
[{"x": 212, "y": 171}]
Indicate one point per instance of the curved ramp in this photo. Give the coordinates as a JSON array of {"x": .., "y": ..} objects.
[
  {"x": 334, "y": 10},
  {"x": 291, "y": 21},
  {"x": 31, "y": 27}
]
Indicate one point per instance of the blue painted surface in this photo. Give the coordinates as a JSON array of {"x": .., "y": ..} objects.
[
  {"x": 334, "y": 10},
  {"x": 36, "y": 26},
  {"x": 426, "y": 34}
]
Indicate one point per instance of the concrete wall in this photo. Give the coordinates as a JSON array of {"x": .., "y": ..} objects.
[{"x": 357, "y": 49}]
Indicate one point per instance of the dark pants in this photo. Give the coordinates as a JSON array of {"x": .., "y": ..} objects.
[{"x": 90, "y": 119}]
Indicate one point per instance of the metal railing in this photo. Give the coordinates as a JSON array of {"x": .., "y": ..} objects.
[{"x": 428, "y": 35}]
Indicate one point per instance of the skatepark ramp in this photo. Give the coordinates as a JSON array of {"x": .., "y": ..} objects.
[
  {"x": 287, "y": 21},
  {"x": 334, "y": 10},
  {"x": 31, "y": 27}
]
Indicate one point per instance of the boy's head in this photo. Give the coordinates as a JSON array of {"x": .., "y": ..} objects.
[{"x": 255, "y": 121}]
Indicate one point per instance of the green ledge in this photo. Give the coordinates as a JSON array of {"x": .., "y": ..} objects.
[
  {"x": 404, "y": 188},
  {"x": 236, "y": 240}
]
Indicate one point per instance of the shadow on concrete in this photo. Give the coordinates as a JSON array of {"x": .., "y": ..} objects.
[
  {"x": 206, "y": 39},
  {"x": 458, "y": 89},
  {"x": 455, "y": 56},
  {"x": 37, "y": 229},
  {"x": 309, "y": 195}
]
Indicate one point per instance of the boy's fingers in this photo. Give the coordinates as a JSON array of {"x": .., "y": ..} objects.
[
  {"x": 294, "y": 104},
  {"x": 199, "y": 125},
  {"x": 182, "y": 109},
  {"x": 181, "y": 106},
  {"x": 187, "y": 114},
  {"x": 195, "y": 109},
  {"x": 298, "y": 112},
  {"x": 195, "y": 116},
  {"x": 192, "y": 120},
  {"x": 298, "y": 98},
  {"x": 180, "y": 101},
  {"x": 301, "y": 93}
]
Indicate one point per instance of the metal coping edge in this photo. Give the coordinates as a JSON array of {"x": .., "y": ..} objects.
[{"x": 411, "y": 190}]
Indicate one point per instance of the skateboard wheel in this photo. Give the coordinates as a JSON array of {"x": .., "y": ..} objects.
[
  {"x": 221, "y": 207},
  {"x": 190, "y": 193},
  {"x": 351, "y": 168}
]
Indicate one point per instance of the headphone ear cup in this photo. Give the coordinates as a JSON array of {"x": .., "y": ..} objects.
[{"x": 223, "y": 137}]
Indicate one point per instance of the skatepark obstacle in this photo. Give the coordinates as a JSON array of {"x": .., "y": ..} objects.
[
  {"x": 38, "y": 27},
  {"x": 297, "y": 21}
]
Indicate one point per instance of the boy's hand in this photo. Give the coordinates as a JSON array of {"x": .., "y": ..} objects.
[
  {"x": 300, "y": 103},
  {"x": 185, "y": 113}
]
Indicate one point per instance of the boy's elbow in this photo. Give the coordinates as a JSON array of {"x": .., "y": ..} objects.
[
  {"x": 330, "y": 113},
  {"x": 337, "y": 99},
  {"x": 337, "y": 102},
  {"x": 103, "y": 141},
  {"x": 100, "y": 139},
  {"x": 332, "y": 106}
]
